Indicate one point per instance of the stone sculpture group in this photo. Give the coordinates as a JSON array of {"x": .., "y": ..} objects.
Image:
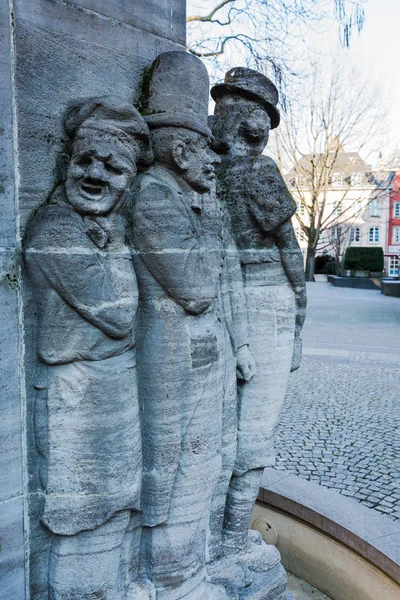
[{"x": 170, "y": 305}]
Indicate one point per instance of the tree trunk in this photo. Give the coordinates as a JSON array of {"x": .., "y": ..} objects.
[{"x": 310, "y": 260}]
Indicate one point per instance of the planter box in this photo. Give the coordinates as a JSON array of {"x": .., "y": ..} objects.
[
  {"x": 359, "y": 283},
  {"x": 391, "y": 288}
]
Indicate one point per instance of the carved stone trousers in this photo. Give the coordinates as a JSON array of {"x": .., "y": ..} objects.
[
  {"x": 88, "y": 432},
  {"x": 175, "y": 549},
  {"x": 271, "y": 321}
]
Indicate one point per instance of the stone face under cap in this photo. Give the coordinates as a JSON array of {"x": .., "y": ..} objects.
[
  {"x": 178, "y": 92},
  {"x": 253, "y": 85},
  {"x": 112, "y": 114}
]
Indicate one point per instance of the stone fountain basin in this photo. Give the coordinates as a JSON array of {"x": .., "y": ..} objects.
[{"x": 345, "y": 550}]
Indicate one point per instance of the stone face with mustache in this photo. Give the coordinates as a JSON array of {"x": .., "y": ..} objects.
[{"x": 99, "y": 173}]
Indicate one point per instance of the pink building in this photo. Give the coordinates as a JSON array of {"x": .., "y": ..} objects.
[{"x": 393, "y": 246}]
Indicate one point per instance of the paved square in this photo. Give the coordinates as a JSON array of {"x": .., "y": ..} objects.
[{"x": 340, "y": 422}]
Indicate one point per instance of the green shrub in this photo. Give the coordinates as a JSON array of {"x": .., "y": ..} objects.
[
  {"x": 330, "y": 268},
  {"x": 364, "y": 258}
]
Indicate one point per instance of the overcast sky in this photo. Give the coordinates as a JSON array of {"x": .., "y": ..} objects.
[
  {"x": 376, "y": 54},
  {"x": 378, "y": 49}
]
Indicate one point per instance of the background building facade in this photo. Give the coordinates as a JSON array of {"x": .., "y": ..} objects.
[{"x": 355, "y": 205}]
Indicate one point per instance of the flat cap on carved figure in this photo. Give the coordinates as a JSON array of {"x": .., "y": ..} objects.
[
  {"x": 177, "y": 94},
  {"x": 253, "y": 85},
  {"x": 115, "y": 116}
]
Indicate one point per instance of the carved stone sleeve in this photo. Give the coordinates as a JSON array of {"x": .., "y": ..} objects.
[
  {"x": 173, "y": 256},
  {"x": 84, "y": 278},
  {"x": 292, "y": 261},
  {"x": 271, "y": 203},
  {"x": 238, "y": 332}
]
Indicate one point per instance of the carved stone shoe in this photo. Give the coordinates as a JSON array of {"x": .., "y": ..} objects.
[
  {"x": 208, "y": 591},
  {"x": 252, "y": 552},
  {"x": 141, "y": 591},
  {"x": 228, "y": 571}
]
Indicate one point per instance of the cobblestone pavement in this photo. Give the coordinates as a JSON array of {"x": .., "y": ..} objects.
[{"x": 340, "y": 423}]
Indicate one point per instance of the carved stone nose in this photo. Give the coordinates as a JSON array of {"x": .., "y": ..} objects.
[
  {"x": 95, "y": 171},
  {"x": 215, "y": 158}
]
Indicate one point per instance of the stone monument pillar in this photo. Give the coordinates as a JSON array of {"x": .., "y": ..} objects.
[
  {"x": 53, "y": 54},
  {"x": 149, "y": 319}
]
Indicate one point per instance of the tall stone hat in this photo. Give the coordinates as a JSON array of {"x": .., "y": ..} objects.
[
  {"x": 113, "y": 115},
  {"x": 177, "y": 93},
  {"x": 253, "y": 85}
]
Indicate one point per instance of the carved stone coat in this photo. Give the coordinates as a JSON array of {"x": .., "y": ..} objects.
[
  {"x": 86, "y": 414},
  {"x": 259, "y": 202},
  {"x": 182, "y": 335}
]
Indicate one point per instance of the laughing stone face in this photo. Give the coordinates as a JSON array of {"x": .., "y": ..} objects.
[{"x": 99, "y": 173}]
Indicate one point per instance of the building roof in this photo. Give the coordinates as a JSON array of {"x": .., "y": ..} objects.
[{"x": 343, "y": 166}]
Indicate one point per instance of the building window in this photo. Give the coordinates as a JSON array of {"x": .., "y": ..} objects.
[
  {"x": 375, "y": 208},
  {"x": 393, "y": 266},
  {"x": 396, "y": 210},
  {"x": 301, "y": 236},
  {"x": 337, "y": 208},
  {"x": 373, "y": 235},
  {"x": 301, "y": 209},
  {"x": 337, "y": 180},
  {"x": 396, "y": 235},
  {"x": 355, "y": 234},
  {"x": 356, "y": 179},
  {"x": 301, "y": 181},
  {"x": 335, "y": 233}
]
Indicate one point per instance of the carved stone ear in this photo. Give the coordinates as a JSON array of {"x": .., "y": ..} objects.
[{"x": 179, "y": 154}]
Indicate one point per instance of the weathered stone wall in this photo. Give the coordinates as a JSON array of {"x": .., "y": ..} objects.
[{"x": 51, "y": 53}]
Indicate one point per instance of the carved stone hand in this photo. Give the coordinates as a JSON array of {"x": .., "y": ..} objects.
[{"x": 245, "y": 364}]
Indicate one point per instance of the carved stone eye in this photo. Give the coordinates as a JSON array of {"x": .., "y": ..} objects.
[
  {"x": 253, "y": 132},
  {"x": 112, "y": 169},
  {"x": 83, "y": 161}
]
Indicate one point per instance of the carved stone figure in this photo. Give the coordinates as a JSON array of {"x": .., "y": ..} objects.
[
  {"x": 185, "y": 330},
  {"x": 261, "y": 208},
  {"x": 87, "y": 412}
]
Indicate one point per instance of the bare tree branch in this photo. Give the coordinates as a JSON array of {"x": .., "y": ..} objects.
[
  {"x": 271, "y": 25},
  {"x": 337, "y": 109},
  {"x": 210, "y": 17}
]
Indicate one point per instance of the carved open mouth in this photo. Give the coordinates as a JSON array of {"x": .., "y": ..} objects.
[
  {"x": 92, "y": 187},
  {"x": 209, "y": 172},
  {"x": 221, "y": 147}
]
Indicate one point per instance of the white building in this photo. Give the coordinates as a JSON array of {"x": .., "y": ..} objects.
[{"x": 353, "y": 201}]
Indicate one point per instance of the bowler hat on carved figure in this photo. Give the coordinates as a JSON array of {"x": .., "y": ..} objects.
[
  {"x": 253, "y": 85},
  {"x": 178, "y": 92}
]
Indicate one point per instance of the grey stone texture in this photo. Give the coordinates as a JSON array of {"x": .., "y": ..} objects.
[
  {"x": 303, "y": 591},
  {"x": 340, "y": 419},
  {"x": 260, "y": 207},
  {"x": 391, "y": 288},
  {"x": 12, "y": 430},
  {"x": 52, "y": 53},
  {"x": 86, "y": 294},
  {"x": 116, "y": 263},
  {"x": 190, "y": 326}
]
